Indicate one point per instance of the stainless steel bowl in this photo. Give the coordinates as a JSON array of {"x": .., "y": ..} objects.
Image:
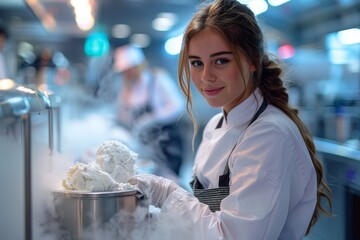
[{"x": 84, "y": 214}]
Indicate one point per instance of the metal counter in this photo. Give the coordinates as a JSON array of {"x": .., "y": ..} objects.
[
  {"x": 28, "y": 128},
  {"x": 342, "y": 173}
]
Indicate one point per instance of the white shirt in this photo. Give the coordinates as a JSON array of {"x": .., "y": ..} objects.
[
  {"x": 272, "y": 182},
  {"x": 160, "y": 91},
  {"x": 3, "y": 74}
]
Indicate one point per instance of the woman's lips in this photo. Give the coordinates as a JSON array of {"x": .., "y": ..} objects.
[{"x": 213, "y": 91}]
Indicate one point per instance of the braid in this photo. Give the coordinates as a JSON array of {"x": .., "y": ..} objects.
[{"x": 273, "y": 89}]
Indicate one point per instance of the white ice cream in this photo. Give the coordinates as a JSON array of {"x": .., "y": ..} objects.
[
  {"x": 88, "y": 177},
  {"x": 114, "y": 165},
  {"x": 116, "y": 159}
]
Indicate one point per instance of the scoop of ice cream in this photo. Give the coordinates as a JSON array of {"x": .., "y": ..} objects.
[
  {"x": 88, "y": 177},
  {"x": 116, "y": 159},
  {"x": 124, "y": 187}
]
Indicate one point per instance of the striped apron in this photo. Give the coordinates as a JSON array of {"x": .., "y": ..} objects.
[{"x": 213, "y": 196}]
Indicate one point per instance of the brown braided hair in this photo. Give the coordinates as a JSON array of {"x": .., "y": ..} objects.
[{"x": 237, "y": 24}]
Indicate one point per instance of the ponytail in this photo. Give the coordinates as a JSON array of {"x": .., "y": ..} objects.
[{"x": 274, "y": 91}]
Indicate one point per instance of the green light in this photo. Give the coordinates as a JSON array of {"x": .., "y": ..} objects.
[{"x": 96, "y": 44}]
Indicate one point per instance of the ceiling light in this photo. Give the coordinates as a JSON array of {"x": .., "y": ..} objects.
[
  {"x": 257, "y": 6},
  {"x": 276, "y": 3},
  {"x": 244, "y": 1},
  {"x": 85, "y": 22},
  {"x": 161, "y": 24},
  {"x": 286, "y": 51},
  {"x": 47, "y": 19},
  {"x": 173, "y": 45},
  {"x": 83, "y": 11},
  {"x": 349, "y": 36},
  {"x": 120, "y": 31},
  {"x": 164, "y": 21},
  {"x": 6, "y": 84},
  {"x": 140, "y": 40}
]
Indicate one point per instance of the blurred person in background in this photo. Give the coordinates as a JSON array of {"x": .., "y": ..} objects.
[
  {"x": 3, "y": 38},
  {"x": 149, "y": 104},
  {"x": 256, "y": 174},
  {"x": 45, "y": 68},
  {"x": 7, "y": 56}
]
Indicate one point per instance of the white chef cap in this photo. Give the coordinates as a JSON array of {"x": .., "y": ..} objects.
[{"x": 127, "y": 56}]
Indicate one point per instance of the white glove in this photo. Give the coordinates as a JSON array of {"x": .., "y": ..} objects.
[
  {"x": 153, "y": 215},
  {"x": 154, "y": 188}
]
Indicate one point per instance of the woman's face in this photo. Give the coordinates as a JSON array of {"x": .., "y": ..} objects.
[
  {"x": 215, "y": 72},
  {"x": 132, "y": 74}
]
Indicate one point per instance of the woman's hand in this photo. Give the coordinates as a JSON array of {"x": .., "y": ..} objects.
[{"x": 154, "y": 188}]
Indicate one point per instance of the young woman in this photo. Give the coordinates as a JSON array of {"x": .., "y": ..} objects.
[{"x": 256, "y": 175}]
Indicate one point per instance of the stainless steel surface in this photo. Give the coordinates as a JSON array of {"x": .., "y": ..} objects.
[
  {"x": 28, "y": 175},
  {"x": 20, "y": 100},
  {"x": 341, "y": 171},
  {"x": 54, "y": 121},
  {"x": 24, "y": 145},
  {"x": 82, "y": 213}
]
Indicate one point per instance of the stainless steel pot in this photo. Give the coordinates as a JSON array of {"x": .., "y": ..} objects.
[{"x": 85, "y": 215}]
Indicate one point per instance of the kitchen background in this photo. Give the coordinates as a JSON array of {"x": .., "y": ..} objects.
[{"x": 72, "y": 112}]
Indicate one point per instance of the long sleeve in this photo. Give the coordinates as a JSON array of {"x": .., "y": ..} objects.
[{"x": 272, "y": 182}]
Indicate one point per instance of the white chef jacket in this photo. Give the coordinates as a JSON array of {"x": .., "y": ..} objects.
[
  {"x": 157, "y": 89},
  {"x": 273, "y": 182}
]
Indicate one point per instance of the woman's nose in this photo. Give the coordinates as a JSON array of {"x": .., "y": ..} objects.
[{"x": 208, "y": 74}]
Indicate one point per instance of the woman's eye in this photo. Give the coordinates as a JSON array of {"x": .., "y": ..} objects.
[
  {"x": 196, "y": 63},
  {"x": 221, "y": 61}
]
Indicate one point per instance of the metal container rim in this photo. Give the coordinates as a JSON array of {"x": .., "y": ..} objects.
[{"x": 92, "y": 195}]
